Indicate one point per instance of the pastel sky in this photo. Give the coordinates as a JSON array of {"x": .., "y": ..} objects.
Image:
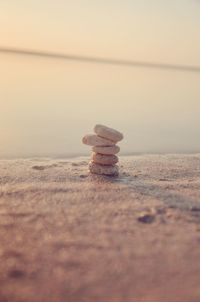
[
  {"x": 43, "y": 100},
  {"x": 150, "y": 30}
]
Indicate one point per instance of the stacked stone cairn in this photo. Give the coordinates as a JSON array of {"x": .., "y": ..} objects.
[{"x": 103, "y": 142}]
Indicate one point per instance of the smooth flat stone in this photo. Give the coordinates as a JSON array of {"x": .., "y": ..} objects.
[
  {"x": 106, "y": 150},
  {"x": 103, "y": 170},
  {"x": 95, "y": 140},
  {"x": 108, "y": 133},
  {"x": 104, "y": 159}
]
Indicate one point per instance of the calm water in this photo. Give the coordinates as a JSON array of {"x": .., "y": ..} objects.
[{"x": 48, "y": 105}]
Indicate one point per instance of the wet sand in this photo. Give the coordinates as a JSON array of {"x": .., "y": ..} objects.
[{"x": 67, "y": 236}]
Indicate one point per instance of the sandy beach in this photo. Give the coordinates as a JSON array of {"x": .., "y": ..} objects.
[{"x": 69, "y": 236}]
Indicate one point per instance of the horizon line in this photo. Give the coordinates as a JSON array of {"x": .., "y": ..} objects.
[{"x": 100, "y": 60}]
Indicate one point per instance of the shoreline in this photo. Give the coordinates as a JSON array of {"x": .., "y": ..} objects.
[{"x": 87, "y": 154}]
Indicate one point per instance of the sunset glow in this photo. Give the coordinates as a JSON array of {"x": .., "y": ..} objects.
[{"x": 42, "y": 99}]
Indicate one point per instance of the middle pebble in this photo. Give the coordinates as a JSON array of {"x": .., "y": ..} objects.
[{"x": 104, "y": 159}]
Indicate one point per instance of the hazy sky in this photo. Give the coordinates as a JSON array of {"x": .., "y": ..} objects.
[
  {"x": 150, "y": 30},
  {"x": 47, "y": 105}
]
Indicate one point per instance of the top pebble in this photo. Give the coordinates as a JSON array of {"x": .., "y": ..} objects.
[{"x": 108, "y": 133}]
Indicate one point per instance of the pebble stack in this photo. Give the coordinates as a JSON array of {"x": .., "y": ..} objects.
[{"x": 103, "y": 142}]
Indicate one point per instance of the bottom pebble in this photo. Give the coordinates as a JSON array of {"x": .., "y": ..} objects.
[{"x": 103, "y": 170}]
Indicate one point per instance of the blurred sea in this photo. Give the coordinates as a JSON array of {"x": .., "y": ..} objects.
[{"x": 46, "y": 106}]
